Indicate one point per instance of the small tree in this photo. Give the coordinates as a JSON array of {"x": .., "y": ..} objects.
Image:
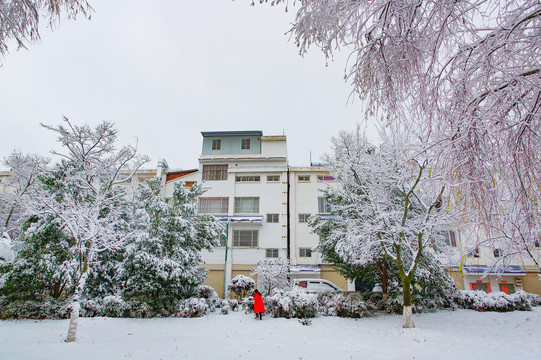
[
  {"x": 81, "y": 196},
  {"x": 24, "y": 171},
  {"x": 241, "y": 285},
  {"x": 271, "y": 274},
  {"x": 391, "y": 201}
]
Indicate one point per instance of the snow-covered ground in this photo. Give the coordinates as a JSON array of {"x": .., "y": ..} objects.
[{"x": 462, "y": 334}]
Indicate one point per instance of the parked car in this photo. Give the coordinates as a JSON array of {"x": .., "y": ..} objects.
[{"x": 316, "y": 285}]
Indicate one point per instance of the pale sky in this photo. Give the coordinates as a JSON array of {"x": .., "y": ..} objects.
[{"x": 165, "y": 70}]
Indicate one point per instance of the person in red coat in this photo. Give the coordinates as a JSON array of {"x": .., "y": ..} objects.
[{"x": 259, "y": 307}]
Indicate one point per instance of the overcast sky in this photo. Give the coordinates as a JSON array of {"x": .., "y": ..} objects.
[{"x": 165, "y": 70}]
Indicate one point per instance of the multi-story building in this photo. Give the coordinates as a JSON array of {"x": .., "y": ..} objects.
[
  {"x": 264, "y": 203},
  {"x": 475, "y": 266}
]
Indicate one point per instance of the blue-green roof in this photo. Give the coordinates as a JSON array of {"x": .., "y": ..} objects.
[{"x": 231, "y": 133}]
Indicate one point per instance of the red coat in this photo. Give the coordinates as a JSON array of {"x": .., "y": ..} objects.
[{"x": 258, "y": 304}]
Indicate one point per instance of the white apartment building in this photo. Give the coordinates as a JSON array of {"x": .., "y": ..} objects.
[{"x": 264, "y": 203}]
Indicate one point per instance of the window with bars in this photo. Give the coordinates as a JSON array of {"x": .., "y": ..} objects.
[
  {"x": 305, "y": 252},
  {"x": 248, "y": 238},
  {"x": 250, "y": 178},
  {"x": 245, "y": 144},
  {"x": 216, "y": 144},
  {"x": 303, "y": 218},
  {"x": 273, "y": 178},
  {"x": 323, "y": 206},
  {"x": 271, "y": 253},
  {"x": 213, "y": 205},
  {"x": 246, "y": 205},
  {"x": 214, "y": 172},
  {"x": 273, "y": 218}
]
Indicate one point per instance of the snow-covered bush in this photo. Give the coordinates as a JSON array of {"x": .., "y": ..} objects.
[
  {"x": 234, "y": 304},
  {"x": 241, "y": 285},
  {"x": 194, "y": 307},
  {"x": 115, "y": 306},
  {"x": 344, "y": 305},
  {"x": 28, "y": 309},
  {"x": 292, "y": 304},
  {"x": 206, "y": 292},
  {"x": 496, "y": 301}
]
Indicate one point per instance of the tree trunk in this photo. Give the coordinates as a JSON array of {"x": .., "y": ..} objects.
[
  {"x": 75, "y": 305},
  {"x": 407, "y": 311}
]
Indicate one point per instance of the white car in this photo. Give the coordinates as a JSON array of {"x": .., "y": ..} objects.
[{"x": 316, "y": 285}]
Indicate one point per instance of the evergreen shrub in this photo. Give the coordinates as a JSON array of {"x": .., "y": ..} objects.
[{"x": 496, "y": 301}]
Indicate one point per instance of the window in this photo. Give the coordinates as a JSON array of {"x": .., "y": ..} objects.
[
  {"x": 273, "y": 178},
  {"x": 246, "y": 238},
  {"x": 304, "y": 178},
  {"x": 213, "y": 205},
  {"x": 245, "y": 144},
  {"x": 480, "y": 286},
  {"x": 273, "y": 218},
  {"x": 507, "y": 288},
  {"x": 303, "y": 218},
  {"x": 252, "y": 178},
  {"x": 444, "y": 237},
  {"x": 272, "y": 253},
  {"x": 323, "y": 205},
  {"x": 214, "y": 172},
  {"x": 216, "y": 144},
  {"x": 305, "y": 252},
  {"x": 325, "y": 178},
  {"x": 497, "y": 253},
  {"x": 475, "y": 253},
  {"x": 246, "y": 205}
]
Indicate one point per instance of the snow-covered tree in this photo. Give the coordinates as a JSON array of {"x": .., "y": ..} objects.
[
  {"x": 466, "y": 71},
  {"x": 162, "y": 262},
  {"x": 43, "y": 266},
  {"x": 241, "y": 285},
  {"x": 392, "y": 202},
  {"x": 80, "y": 195},
  {"x": 24, "y": 170},
  {"x": 20, "y": 19},
  {"x": 271, "y": 274}
]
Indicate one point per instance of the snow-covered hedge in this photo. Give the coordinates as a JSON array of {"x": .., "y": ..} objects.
[
  {"x": 194, "y": 307},
  {"x": 343, "y": 305},
  {"x": 292, "y": 304},
  {"x": 27, "y": 309},
  {"x": 496, "y": 301}
]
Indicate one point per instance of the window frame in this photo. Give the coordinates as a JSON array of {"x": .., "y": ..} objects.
[
  {"x": 239, "y": 206},
  {"x": 209, "y": 206},
  {"x": 248, "y": 178},
  {"x": 254, "y": 240},
  {"x": 307, "y": 252},
  {"x": 273, "y": 217},
  {"x": 274, "y": 176},
  {"x": 216, "y": 172},
  {"x": 272, "y": 251},
  {"x": 216, "y": 144},
  {"x": 303, "y": 178},
  {"x": 245, "y": 144},
  {"x": 323, "y": 204},
  {"x": 306, "y": 216}
]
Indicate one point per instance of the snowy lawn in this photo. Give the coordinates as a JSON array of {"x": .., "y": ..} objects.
[{"x": 462, "y": 334}]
